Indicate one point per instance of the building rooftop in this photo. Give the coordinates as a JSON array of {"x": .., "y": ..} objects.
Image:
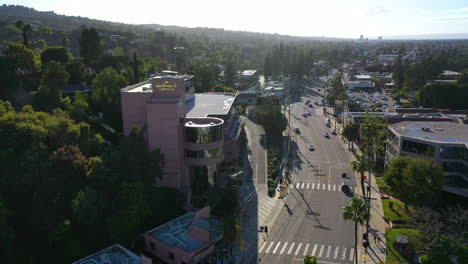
[
  {"x": 447, "y": 132},
  {"x": 209, "y": 104},
  {"x": 249, "y": 72},
  {"x": 115, "y": 254},
  {"x": 451, "y": 73},
  {"x": 176, "y": 233},
  {"x": 363, "y": 77},
  {"x": 145, "y": 86}
]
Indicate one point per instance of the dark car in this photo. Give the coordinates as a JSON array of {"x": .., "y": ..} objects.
[
  {"x": 311, "y": 106},
  {"x": 346, "y": 189}
]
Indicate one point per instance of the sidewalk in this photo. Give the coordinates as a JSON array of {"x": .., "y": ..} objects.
[{"x": 376, "y": 253}]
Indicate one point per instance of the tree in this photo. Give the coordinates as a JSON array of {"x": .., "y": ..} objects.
[
  {"x": 79, "y": 109},
  {"x": 91, "y": 45},
  {"x": 357, "y": 212},
  {"x": 268, "y": 114},
  {"x": 230, "y": 73},
  {"x": 415, "y": 181},
  {"x": 361, "y": 165},
  {"x": 77, "y": 71},
  {"x": 24, "y": 58},
  {"x": 7, "y": 234},
  {"x": 8, "y": 78},
  {"x": 463, "y": 79},
  {"x": 106, "y": 96},
  {"x": 351, "y": 133},
  {"x": 310, "y": 259},
  {"x": 55, "y": 53},
  {"x": 27, "y": 29},
  {"x": 53, "y": 80},
  {"x": 399, "y": 93}
]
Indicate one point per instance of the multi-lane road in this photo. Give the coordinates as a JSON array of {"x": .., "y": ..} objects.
[{"x": 310, "y": 222}]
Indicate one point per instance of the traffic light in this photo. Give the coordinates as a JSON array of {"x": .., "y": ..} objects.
[{"x": 266, "y": 229}]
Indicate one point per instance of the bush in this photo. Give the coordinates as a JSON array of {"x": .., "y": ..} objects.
[{"x": 271, "y": 191}]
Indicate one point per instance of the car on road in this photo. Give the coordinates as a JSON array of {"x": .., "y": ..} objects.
[
  {"x": 311, "y": 106},
  {"x": 304, "y": 115},
  {"x": 346, "y": 189},
  {"x": 326, "y": 135},
  {"x": 334, "y": 132},
  {"x": 311, "y": 148},
  {"x": 297, "y": 130},
  {"x": 308, "y": 101},
  {"x": 316, "y": 103},
  {"x": 308, "y": 114},
  {"x": 327, "y": 124}
]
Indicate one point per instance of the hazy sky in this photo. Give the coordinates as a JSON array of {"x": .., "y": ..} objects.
[{"x": 331, "y": 18}]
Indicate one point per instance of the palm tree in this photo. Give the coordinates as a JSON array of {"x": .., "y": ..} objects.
[
  {"x": 357, "y": 212},
  {"x": 27, "y": 29},
  {"x": 361, "y": 164}
]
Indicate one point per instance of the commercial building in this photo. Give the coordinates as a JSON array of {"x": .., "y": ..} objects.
[
  {"x": 190, "y": 238},
  {"x": 194, "y": 132},
  {"x": 445, "y": 143},
  {"x": 115, "y": 254}
]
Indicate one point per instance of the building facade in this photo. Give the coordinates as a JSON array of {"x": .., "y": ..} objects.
[
  {"x": 445, "y": 143},
  {"x": 189, "y": 129}
]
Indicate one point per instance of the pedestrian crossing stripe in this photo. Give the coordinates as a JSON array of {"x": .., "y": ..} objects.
[
  {"x": 331, "y": 187},
  {"x": 322, "y": 251}
]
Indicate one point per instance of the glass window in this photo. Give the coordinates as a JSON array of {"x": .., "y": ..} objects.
[
  {"x": 203, "y": 154},
  {"x": 456, "y": 167},
  {"x": 454, "y": 153},
  {"x": 392, "y": 138},
  {"x": 203, "y": 177},
  {"x": 418, "y": 148},
  {"x": 203, "y": 135}
]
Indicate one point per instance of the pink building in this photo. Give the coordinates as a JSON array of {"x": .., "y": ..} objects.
[
  {"x": 194, "y": 132},
  {"x": 115, "y": 254},
  {"x": 190, "y": 238}
]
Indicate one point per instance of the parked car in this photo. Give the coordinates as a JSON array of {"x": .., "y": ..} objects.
[
  {"x": 326, "y": 135},
  {"x": 308, "y": 114},
  {"x": 311, "y": 106},
  {"x": 311, "y": 148},
  {"x": 334, "y": 132},
  {"x": 297, "y": 130},
  {"x": 304, "y": 114}
]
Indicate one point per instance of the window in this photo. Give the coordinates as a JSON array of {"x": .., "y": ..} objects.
[
  {"x": 171, "y": 256},
  {"x": 418, "y": 148},
  {"x": 454, "y": 153},
  {"x": 152, "y": 245}
]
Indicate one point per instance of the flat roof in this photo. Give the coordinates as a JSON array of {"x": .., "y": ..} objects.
[
  {"x": 209, "y": 104},
  {"x": 363, "y": 76},
  {"x": 145, "y": 86},
  {"x": 176, "y": 233},
  {"x": 249, "y": 72},
  {"x": 444, "y": 132},
  {"x": 115, "y": 254}
]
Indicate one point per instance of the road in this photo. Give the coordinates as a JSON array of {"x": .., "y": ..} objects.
[{"x": 310, "y": 221}]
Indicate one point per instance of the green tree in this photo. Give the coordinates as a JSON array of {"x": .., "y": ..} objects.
[
  {"x": 106, "y": 96},
  {"x": 463, "y": 79},
  {"x": 79, "y": 109},
  {"x": 53, "y": 80},
  {"x": 351, "y": 133},
  {"x": 55, "y": 53},
  {"x": 268, "y": 114},
  {"x": 310, "y": 259},
  {"x": 91, "y": 45},
  {"x": 23, "y": 57},
  {"x": 86, "y": 207},
  {"x": 415, "y": 181},
  {"x": 8, "y": 78},
  {"x": 77, "y": 71},
  {"x": 27, "y": 30},
  {"x": 357, "y": 212},
  {"x": 361, "y": 165},
  {"x": 7, "y": 234},
  {"x": 230, "y": 73}
]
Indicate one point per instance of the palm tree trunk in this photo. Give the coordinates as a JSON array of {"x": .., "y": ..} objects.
[
  {"x": 362, "y": 185},
  {"x": 355, "y": 242}
]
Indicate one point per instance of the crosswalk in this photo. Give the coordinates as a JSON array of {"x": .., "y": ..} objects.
[
  {"x": 328, "y": 252},
  {"x": 316, "y": 186},
  {"x": 265, "y": 208}
]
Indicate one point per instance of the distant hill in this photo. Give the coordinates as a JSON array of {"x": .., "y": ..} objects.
[{"x": 437, "y": 36}]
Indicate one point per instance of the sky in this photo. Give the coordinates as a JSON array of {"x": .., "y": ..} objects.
[{"x": 329, "y": 18}]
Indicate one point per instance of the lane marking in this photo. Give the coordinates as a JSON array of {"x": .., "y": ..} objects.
[
  {"x": 306, "y": 249},
  {"x": 315, "y": 249},
  {"x": 318, "y": 186},
  {"x": 261, "y": 248},
  {"x": 313, "y": 186},
  {"x": 307, "y": 187},
  {"x": 336, "y": 252},
  {"x": 351, "y": 254},
  {"x": 328, "y": 251},
  {"x": 298, "y": 248},
  {"x": 324, "y": 187},
  {"x": 321, "y": 251},
  {"x": 334, "y": 187},
  {"x": 329, "y": 174},
  {"x": 291, "y": 248},
  {"x": 297, "y": 185},
  {"x": 329, "y": 187},
  {"x": 302, "y": 187},
  {"x": 269, "y": 247},
  {"x": 283, "y": 248},
  {"x": 276, "y": 248},
  {"x": 344, "y": 254}
]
